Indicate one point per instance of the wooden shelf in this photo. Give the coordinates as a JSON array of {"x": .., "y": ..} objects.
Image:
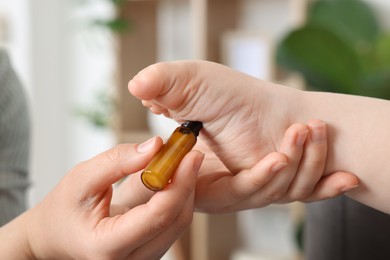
[{"x": 136, "y": 50}]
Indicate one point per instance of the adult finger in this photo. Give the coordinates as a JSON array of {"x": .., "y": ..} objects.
[
  {"x": 157, "y": 247},
  {"x": 144, "y": 222},
  {"x": 100, "y": 172},
  {"x": 131, "y": 192}
]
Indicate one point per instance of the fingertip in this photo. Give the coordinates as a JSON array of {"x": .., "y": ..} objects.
[
  {"x": 188, "y": 169},
  {"x": 317, "y": 130},
  {"x": 348, "y": 181},
  {"x": 198, "y": 160},
  {"x": 344, "y": 179},
  {"x": 251, "y": 180},
  {"x": 138, "y": 86},
  {"x": 105, "y": 169},
  {"x": 297, "y": 127},
  {"x": 193, "y": 160},
  {"x": 278, "y": 157},
  {"x": 295, "y": 135},
  {"x": 334, "y": 185},
  {"x": 133, "y": 87},
  {"x": 149, "y": 144},
  {"x": 316, "y": 123},
  {"x": 275, "y": 161}
]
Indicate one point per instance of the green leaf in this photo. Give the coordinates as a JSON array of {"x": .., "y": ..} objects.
[
  {"x": 376, "y": 78},
  {"x": 382, "y": 51},
  {"x": 115, "y": 25},
  {"x": 119, "y": 2},
  {"x": 326, "y": 61},
  {"x": 376, "y": 84},
  {"x": 352, "y": 20},
  {"x": 99, "y": 112}
]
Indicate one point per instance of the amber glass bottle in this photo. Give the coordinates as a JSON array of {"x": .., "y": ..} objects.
[{"x": 164, "y": 164}]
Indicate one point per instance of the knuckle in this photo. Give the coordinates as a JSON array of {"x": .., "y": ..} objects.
[
  {"x": 317, "y": 163},
  {"x": 275, "y": 195},
  {"x": 237, "y": 194},
  {"x": 259, "y": 181},
  {"x": 116, "y": 154},
  {"x": 163, "y": 221},
  {"x": 185, "y": 220},
  {"x": 300, "y": 194}
]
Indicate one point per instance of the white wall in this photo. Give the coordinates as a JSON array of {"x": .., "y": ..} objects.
[
  {"x": 62, "y": 63},
  {"x": 71, "y": 62},
  {"x": 382, "y": 8},
  {"x": 49, "y": 63},
  {"x": 16, "y": 31}
]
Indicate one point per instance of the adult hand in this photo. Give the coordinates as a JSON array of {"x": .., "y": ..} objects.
[{"x": 74, "y": 220}]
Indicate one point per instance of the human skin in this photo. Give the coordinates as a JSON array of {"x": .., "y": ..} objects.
[
  {"x": 279, "y": 177},
  {"x": 77, "y": 221},
  {"x": 245, "y": 119}
]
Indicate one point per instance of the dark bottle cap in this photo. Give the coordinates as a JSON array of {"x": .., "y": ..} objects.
[{"x": 194, "y": 126}]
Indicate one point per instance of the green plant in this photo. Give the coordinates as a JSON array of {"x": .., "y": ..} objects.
[
  {"x": 115, "y": 24},
  {"x": 341, "y": 48},
  {"x": 98, "y": 113}
]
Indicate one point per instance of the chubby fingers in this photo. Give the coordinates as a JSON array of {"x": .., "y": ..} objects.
[
  {"x": 218, "y": 192},
  {"x": 333, "y": 185},
  {"x": 293, "y": 147},
  {"x": 313, "y": 162},
  {"x": 309, "y": 183},
  {"x": 306, "y": 149}
]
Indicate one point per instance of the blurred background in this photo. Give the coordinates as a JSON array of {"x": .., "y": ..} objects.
[{"x": 75, "y": 58}]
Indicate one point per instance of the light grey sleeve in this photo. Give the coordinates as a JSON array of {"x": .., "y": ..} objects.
[{"x": 14, "y": 142}]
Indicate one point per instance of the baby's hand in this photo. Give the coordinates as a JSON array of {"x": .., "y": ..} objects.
[{"x": 294, "y": 173}]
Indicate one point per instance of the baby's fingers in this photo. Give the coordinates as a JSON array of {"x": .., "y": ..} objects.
[
  {"x": 221, "y": 191},
  {"x": 333, "y": 185},
  {"x": 312, "y": 163},
  {"x": 249, "y": 181}
]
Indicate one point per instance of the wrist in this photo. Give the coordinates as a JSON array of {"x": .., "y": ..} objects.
[
  {"x": 284, "y": 107},
  {"x": 15, "y": 239}
]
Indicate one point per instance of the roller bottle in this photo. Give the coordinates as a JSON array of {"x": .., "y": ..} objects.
[{"x": 164, "y": 164}]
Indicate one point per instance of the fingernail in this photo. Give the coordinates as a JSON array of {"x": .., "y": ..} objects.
[
  {"x": 348, "y": 188},
  {"x": 198, "y": 162},
  {"x": 301, "y": 138},
  {"x": 146, "y": 146},
  {"x": 278, "y": 166},
  {"x": 317, "y": 131}
]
